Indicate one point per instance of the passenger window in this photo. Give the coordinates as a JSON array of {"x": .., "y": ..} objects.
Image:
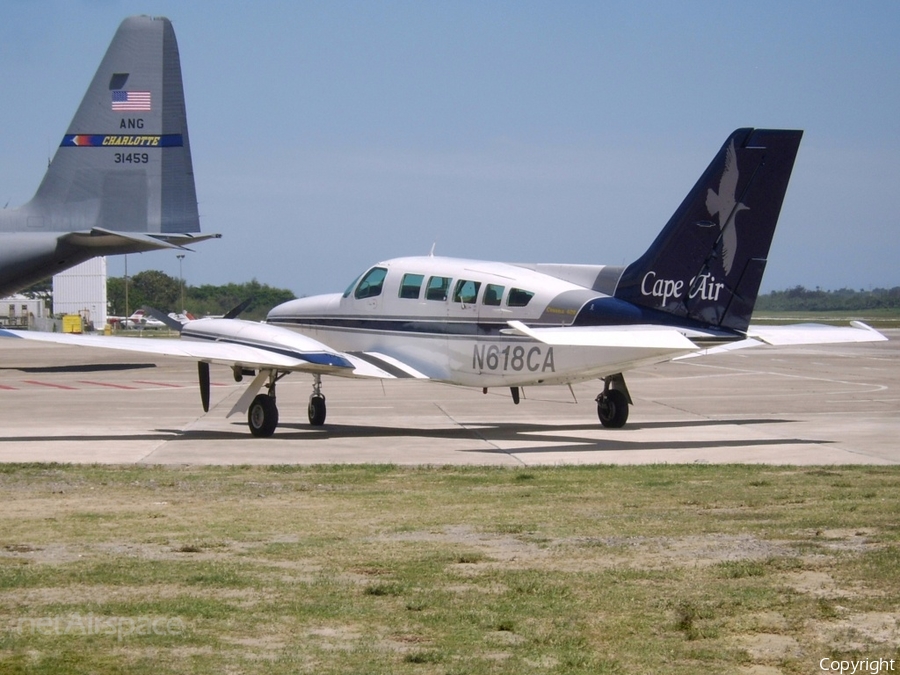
[
  {"x": 466, "y": 291},
  {"x": 371, "y": 283},
  {"x": 492, "y": 295},
  {"x": 411, "y": 285},
  {"x": 437, "y": 288},
  {"x": 518, "y": 297}
]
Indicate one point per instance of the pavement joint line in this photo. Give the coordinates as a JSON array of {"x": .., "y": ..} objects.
[{"x": 477, "y": 434}]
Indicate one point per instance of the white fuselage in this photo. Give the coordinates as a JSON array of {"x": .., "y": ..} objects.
[{"x": 447, "y": 319}]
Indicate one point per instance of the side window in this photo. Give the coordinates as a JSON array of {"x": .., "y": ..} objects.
[
  {"x": 492, "y": 295},
  {"x": 411, "y": 285},
  {"x": 466, "y": 291},
  {"x": 437, "y": 288},
  {"x": 518, "y": 297},
  {"x": 371, "y": 283}
]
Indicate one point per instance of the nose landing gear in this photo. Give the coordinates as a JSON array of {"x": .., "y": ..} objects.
[{"x": 316, "y": 409}]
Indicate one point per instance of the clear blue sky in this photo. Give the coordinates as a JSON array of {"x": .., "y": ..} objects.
[{"x": 329, "y": 135}]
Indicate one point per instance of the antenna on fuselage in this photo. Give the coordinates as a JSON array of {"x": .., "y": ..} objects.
[{"x": 431, "y": 252}]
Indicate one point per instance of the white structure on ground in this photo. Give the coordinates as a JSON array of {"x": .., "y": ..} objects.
[
  {"x": 19, "y": 311},
  {"x": 82, "y": 290}
]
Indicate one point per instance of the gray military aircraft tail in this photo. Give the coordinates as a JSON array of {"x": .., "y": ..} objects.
[{"x": 121, "y": 180}]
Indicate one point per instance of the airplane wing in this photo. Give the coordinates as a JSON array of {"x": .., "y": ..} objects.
[{"x": 293, "y": 353}]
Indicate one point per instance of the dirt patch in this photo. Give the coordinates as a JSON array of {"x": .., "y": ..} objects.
[
  {"x": 842, "y": 539},
  {"x": 769, "y": 646},
  {"x": 498, "y": 547},
  {"x": 759, "y": 670},
  {"x": 705, "y": 550},
  {"x": 762, "y": 622},
  {"x": 331, "y": 638},
  {"x": 590, "y": 553},
  {"x": 858, "y": 631},
  {"x": 821, "y": 585}
]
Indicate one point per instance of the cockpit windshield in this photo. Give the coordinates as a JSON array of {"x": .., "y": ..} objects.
[
  {"x": 371, "y": 284},
  {"x": 351, "y": 286}
]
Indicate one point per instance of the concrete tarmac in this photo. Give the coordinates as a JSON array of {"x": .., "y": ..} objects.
[{"x": 818, "y": 405}]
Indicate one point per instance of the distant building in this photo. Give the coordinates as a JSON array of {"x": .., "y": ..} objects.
[
  {"x": 19, "y": 311},
  {"x": 82, "y": 290}
]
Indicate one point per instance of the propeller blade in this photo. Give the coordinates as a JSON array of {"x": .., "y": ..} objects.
[
  {"x": 203, "y": 376},
  {"x": 173, "y": 324},
  {"x": 234, "y": 312}
]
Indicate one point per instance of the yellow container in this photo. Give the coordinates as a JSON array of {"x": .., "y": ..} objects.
[{"x": 72, "y": 323}]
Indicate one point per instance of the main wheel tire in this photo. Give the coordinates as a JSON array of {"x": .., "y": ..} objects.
[
  {"x": 612, "y": 409},
  {"x": 262, "y": 417},
  {"x": 316, "y": 410}
]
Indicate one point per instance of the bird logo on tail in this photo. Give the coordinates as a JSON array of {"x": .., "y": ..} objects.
[{"x": 725, "y": 205}]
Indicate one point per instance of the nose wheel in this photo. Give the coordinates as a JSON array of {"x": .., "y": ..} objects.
[{"x": 316, "y": 408}]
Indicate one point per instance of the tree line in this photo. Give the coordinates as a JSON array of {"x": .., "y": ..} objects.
[
  {"x": 801, "y": 299},
  {"x": 157, "y": 289}
]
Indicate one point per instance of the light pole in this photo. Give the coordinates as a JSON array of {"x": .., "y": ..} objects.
[
  {"x": 180, "y": 257},
  {"x": 126, "y": 291}
]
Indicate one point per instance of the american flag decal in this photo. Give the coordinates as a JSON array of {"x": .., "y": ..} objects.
[{"x": 131, "y": 101}]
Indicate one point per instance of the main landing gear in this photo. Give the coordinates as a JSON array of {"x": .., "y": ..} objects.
[
  {"x": 613, "y": 401},
  {"x": 262, "y": 415}
]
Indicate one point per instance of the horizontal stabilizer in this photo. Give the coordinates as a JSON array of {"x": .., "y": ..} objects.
[
  {"x": 815, "y": 334},
  {"x": 107, "y": 240},
  {"x": 797, "y": 334},
  {"x": 100, "y": 241}
]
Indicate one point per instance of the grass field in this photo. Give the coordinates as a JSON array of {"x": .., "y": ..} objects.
[{"x": 645, "y": 569}]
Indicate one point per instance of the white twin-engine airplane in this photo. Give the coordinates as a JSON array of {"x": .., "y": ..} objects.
[{"x": 489, "y": 324}]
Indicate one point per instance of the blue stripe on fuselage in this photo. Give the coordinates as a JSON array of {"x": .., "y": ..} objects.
[
  {"x": 437, "y": 327},
  {"x": 316, "y": 358},
  {"x": 601, "y": 311},
  {"x": 614, "y": 312}
]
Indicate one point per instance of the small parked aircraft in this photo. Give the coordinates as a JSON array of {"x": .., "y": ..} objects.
[
  {"x": 139, "y": 319},
  {"x": 489, "y": 324}
]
